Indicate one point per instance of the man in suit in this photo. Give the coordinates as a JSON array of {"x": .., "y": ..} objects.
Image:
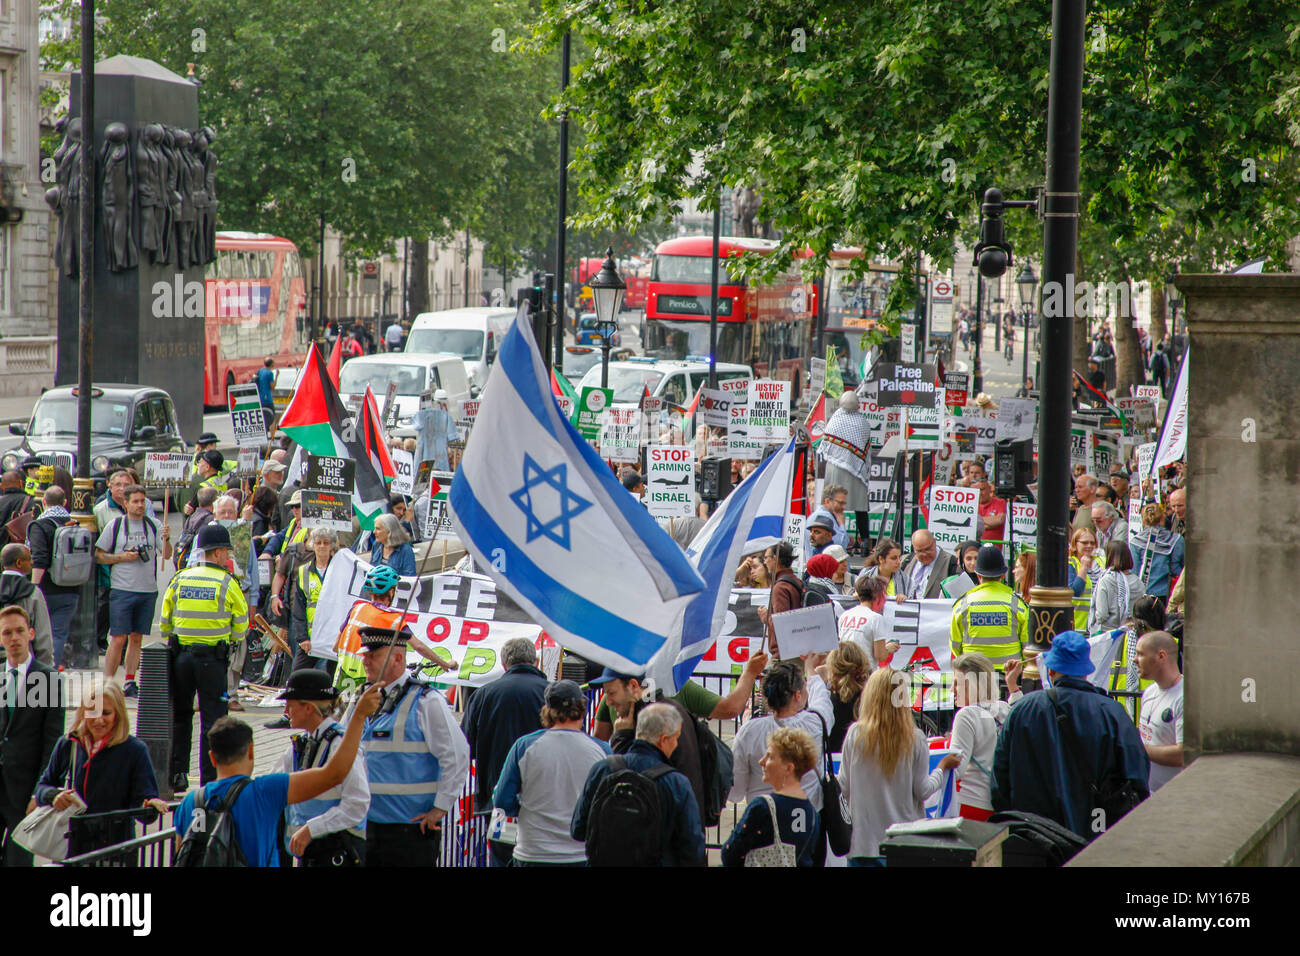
[
  {"x": 31, "y": 721},
  {"x": 926, "y": 569}
]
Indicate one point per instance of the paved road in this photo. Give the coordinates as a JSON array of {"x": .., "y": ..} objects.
[{"x": 1001, "y": 377}]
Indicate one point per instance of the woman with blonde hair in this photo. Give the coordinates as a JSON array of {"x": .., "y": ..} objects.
[
  {"x": 103, "y": 765},
  {"x": 849, "y": 669},
  {"x": 980, "y": 715},
  {"x": 884, "y": 770}
]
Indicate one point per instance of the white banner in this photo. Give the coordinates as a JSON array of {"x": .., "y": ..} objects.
[
  {"x": 462, "y": 616},
  {"x": 1173, "y": 435}
]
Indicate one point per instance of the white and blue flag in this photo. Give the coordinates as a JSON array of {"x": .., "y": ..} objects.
[
  {"x": 551, "y": 524},
  {"x": 750, "y": 518}
]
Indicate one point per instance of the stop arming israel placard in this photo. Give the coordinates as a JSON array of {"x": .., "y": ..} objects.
[
  {"x": 1024, "y": 520},
  {"x": 171, "y": 470},
  {"x": 739, "y": 444},
  {"x": 769, "y": 410},
  {"x": 954, "y": 514},
  {"x": 670, "y": 481},
  {"x": 620, "y": 435}
]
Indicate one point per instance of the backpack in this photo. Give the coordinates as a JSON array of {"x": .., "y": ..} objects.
[
  {"x": 72, "y": 555},
  {"x": 20, "y": 519},
  {"x": 186, "y": 542},
  {"x": 210, "y": 840},
  {"x": 718, "y": 768},
  {"x": 624, "y": 828},
  {"x": 813, "y": 594}
]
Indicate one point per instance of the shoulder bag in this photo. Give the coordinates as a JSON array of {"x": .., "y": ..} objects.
[
  {"x": 777, "y": 853},
  {"x": 45, "y": 831},
  {"x": 1114, "y": 796},
  {"x": 836, "y": 820}
]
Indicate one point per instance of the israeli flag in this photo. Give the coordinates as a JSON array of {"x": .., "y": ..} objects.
[
  {"x": 549, "y": 522},
  {"x": 768, "y": 524},
  {"x": 715, "y": 552}
]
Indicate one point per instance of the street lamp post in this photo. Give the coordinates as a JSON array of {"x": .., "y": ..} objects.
[
  {"x": 1050, "y": 599},
  {"x": 607, "y": 290},
  {"x": 1026, "y": 283},
  {"x": 977, "y": 378}
]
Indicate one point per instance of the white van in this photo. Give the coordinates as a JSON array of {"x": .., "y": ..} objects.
[
  {"x": 473, "y": 333},
  {"x": 414, "y": 373}
]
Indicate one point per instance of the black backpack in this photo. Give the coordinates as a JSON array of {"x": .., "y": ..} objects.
[
  {"x": 624, "y": 828},
  {"x": 718, "y": 768},
  {"x": 210, "y": 840}
]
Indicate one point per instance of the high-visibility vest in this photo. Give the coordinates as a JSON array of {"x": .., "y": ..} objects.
[
  {"x": 992, "y": 619},
  {"x": 204, "y": 605},
  {"x": 217, "y": 481},
  {"x": 310, "y": 584},
  {"x": 403, "y": 773},
  {"x": 32, "y": 487},
  {"x": 1081, "y": 601},
  {"x": 305, "y": 757},
  {"x": 294, "y": 534}
]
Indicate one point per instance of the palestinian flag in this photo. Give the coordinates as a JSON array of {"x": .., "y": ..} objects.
[
  {"x": 564, "y": 392},
  {"x": 816, "y": 421},
  {"x": 1113, "y": 409},
  {"x": 375, "y": 439},
  {"x": 318, "y": 422},
  {"x": 336, "y": 360},
  {"x": 923, "y": 435}
]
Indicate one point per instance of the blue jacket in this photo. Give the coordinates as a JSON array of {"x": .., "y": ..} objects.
[
  {"x": 682, "y": 833},
  {"x": 1164, "y": 566},
  {"x": 1032, "y": 767},
  {"x": 495, "y": 717},
  {"x": 402, "y": 560},
  {"x": 265, "y": 383}
]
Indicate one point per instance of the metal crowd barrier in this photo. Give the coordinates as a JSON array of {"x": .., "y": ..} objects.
[{"x": 153, "y": 848}]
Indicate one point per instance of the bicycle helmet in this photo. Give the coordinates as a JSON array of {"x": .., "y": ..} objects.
[{"x": 381, "y": 579}]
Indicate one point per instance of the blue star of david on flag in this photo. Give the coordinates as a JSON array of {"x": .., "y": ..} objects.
[{"x": 570, "y": 505}]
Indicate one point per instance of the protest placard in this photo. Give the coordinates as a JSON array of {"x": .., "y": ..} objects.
[
  {"x": 1146, "y": 456},
  {"x": 404, "y": 471},
  {"x": 907, "y": 341},
  {"x": 620, "y": 435},
  {"x": 166, "y": 470},
  {"x": 1016, "y": 418},
  {"x": 327, "y": 509},
  {"x": 246, "y": 463},
  {"x": 246, "y": 415},
  {"x": 468, "y": 413},
  {"x": 1081, "y": 446},
  {"x": 670, "y": 481},
  {"x": 389, "y": 414},
  {"x": 769, "y": 410},
  {"x": 566, "y": 406},
  {"x": 714, "y": 409},
  {"x": 905, "y": 383},
  {"x": 592, "y": 404},
  {"x": 1105, "y": 449},
  {"x": 423, "y": 472},
  {"x": 433, "y": 520},
  {"x": 324, "y": 473},
  {"x": 1024, "y": 521},
  {"x": 817, "y": 376},
  {"x": 806, "y": 630},
  {"x": 954, "y": 514},
  {"x": 1140, "y": 411},
  {"x": 923, "y": 427},
  {"x": 1147, "y": 391},
  {"x": 956, "y": 386}
]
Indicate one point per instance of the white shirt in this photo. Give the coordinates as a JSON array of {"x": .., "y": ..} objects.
[
  {"x": 975, "y": 736},
  {"x": 393, "y": 335},
  {"x": 863, "y": 627},
  {"x": 1161, "y": 724},
  {"x": 751, "y": 743},
  {"x": 354, "y": 801},
  {"x": 22, "y": 676},
  {"x": 445, "y": 740},
  {"x": 916, "y": 586}
]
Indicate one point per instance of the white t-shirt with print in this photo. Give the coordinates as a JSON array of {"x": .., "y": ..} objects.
[
  {"x": 863, "y": 627},
  {"x": 1161, "y": 724}
]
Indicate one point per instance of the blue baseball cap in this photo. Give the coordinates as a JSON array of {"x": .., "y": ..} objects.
[
  {"x": 1069, "y": 655},
  {"x": 610, "y": 674}
]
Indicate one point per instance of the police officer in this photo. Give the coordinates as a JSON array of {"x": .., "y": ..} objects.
[
  {"x": 212, "y": 470},
  {"x": 31, "y": 484},
  {"x": 203, "y": 613},
  {"x": 417, "y": 759},
  {"x": 990, "y": 618},
  {"x": 327, "y": 830}
]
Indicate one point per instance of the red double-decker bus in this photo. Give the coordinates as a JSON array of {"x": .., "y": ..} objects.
[
  {"x": 768, "y": 327},
  {"x": 253, "y": 308}
]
